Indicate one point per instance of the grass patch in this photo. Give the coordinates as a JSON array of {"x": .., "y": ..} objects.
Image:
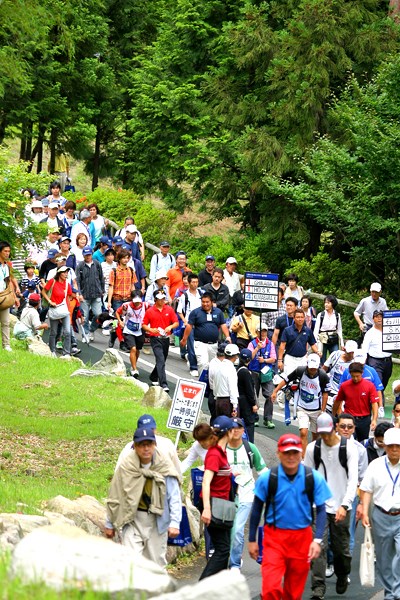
[{"x": 61, "y": 435}]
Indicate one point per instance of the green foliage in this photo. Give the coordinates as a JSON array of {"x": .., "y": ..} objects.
[
  {"x": 348, "y": 180},
  {"x": 14, "y": 226}
]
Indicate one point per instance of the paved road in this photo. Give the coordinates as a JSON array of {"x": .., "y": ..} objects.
[{"x": 266, "y": 442}]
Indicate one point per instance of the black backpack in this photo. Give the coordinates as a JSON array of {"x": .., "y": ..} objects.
[
  {"x": 273, "y": 487},
  {"x": 342, "y": 455}
]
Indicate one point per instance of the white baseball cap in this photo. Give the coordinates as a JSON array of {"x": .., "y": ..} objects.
[
  {"x": 375, "y": 287},
  {"x": 360, "y": 356},
  {"x": 324, "y": 423},
  {"x": 231, "y": 260},
  {"x": 392, "y": 436},
  {"x": 351, "y": 346},
  {"x": 313, "y": 361},
  {"x": 231, "y": 350}
]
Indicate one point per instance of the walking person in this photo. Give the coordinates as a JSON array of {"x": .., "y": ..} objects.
[
  {"x": 217, "y": 484},
  {"x": 7, "y": 282},
  {"x": 263, "y": 357},
  {"x": 58, "y": 292},
  {"x": 288, "y": 545},
  {"x": 159, "y": 320}
]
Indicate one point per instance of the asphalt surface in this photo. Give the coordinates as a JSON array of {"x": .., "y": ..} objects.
[{"x": 265, "y": 440}]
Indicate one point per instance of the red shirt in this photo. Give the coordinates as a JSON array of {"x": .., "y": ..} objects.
[
  {"x": 175, "y": 279},
  {"x": 159, "y": 318},
  {"x": 358, "y": 397},
  {"x": 58, "y": 292},
  {"x": 216, "y": 460}
]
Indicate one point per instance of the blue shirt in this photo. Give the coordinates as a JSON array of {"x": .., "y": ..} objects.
[
  {"x": 292, "y": 507},
  {"x": 98, "y": 255},
  {"x": 296, "y": 342},
  {"x": 254, "y": 365},
  {"x": 206, "y": 325},
  {"x": 368, "y": 373}
]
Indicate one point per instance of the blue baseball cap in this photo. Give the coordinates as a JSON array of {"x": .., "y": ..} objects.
[
  {"x": 210, "y": 257},
  {"x": 52, "y": 253},
  {"x": 222, "y": 424},
  {"x": 126, "y": 247},
  {"x": 246, "y": 354},
  {"x": 86, "y": 251},
  {"x": 105, "y": 240},
  {"x": 144, "y": 435},
  {"x": 117, "y": 240},
  {"x": 146, "y": 421}
]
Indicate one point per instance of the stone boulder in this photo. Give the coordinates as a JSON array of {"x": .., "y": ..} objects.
[
  {"x": 194, "y": 521},
  {"x": 89, "y": 373},
  {"x": 225, "y": 584},
  {"x": 137, "y": 383},
  {"x": 112, "y": 363},
  {"x": 10, "y": 532},
  {"x": 86, "y": 512},
  {"x": 156, "y": 397},
  {"x": 27, "y": 522},
  {"x": 66, "y": 557},
  {"x": 37, "y": 346}
]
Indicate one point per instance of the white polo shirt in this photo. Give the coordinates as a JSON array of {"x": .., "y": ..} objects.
[
  {"x": 372, "y": 344},
  {"x": 380, "y": 481}
]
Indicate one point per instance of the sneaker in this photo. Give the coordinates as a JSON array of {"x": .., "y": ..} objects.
[
  {"x": 7, "y": 348},
  {"x": 90, "y": 336},
  {"x": 269, "y": 424},
  {"x": 257, "y": 424},
  {"x": 135, "y": 373},
  {"x": 194, "y": 373},
  {"x": 166, "y": 389},
  {"x": 329, "y": 571},
  {"x": 75, "y": 350},
  {"x": 66, "y": 356},
  {"x": 154, "y": 383},
  {"x": 341, "y": 584},
  {"x": 59, "y": 345}
]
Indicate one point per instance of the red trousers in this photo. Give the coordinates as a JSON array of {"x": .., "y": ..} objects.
[{"x": 285, "y": 554}]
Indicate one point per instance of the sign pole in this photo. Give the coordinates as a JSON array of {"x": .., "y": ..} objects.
[{"x": 178, "y": 435}]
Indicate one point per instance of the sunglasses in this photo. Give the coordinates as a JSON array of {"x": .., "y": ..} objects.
[{"x": 346, "y": 426}]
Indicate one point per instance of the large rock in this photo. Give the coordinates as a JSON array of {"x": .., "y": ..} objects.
[
  {"x": 226, "y": 584},
  {"x": 111, "y": 362},
  {"x": 157, "y": 398},
  {"x": 66, "y": 557},
  {"x": 137, "y": 383},
  {"x": 194, "y": 521},
  {"x": 86, "y": 512},
  {"x": 10, "y": 532},
  {"x": 27, "y": 522},
  {"x": 89, "y": 373},
  {"x": 37, "y": 346}
]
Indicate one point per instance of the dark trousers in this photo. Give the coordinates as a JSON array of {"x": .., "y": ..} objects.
[
  {"x": 160, "y": 347},
  {"x": 340, "y": 546},
  {"x": 267, "y": 389},
  {"x": 221, "y": 540},
  {"x": 363, "y": 425},
  {"x": 223, "y": 406},
  {"x": 383, "y": 366}
]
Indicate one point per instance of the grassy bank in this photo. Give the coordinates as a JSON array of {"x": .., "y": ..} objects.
[{"x": 60, "y": 435}]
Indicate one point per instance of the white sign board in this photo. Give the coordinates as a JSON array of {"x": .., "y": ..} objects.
[
  {"x": 391, "y": 331},
  {"x": 261, "y": 291},
  {"x": 186, "y": 405}
]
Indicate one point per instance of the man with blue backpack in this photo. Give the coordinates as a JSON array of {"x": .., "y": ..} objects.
[{"x": 287, "y": 493}]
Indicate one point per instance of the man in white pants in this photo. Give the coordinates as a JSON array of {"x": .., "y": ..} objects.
[{"x": 294, "y": 344}]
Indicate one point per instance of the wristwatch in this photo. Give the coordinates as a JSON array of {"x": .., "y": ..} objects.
[
  {"x": 345, "y": 506},
  {"x": 318, "y": 541}
]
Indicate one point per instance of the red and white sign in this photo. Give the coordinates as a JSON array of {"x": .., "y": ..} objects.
[{"x": 186, "y": 405}]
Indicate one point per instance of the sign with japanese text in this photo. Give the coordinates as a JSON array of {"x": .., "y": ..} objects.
[
  {"x": 261, "y": 291},
  {"x": 186, "y": 405},
  {"x": 391, "y": 331}
]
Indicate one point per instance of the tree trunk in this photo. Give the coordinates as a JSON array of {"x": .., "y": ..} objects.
[
  {"x": 252, "y": 215},
  {"x": 22, "y": 148},
  {"x": 40, "y": 149},
  {"x": 53, "y": 138},
  {"x": 314, "y": 230},
  {"x": 394, "y": 10},
  {"x": 96, "y": 160},
  {"x": 28, "y": 145},
  {"x": 3, "y": 125}
]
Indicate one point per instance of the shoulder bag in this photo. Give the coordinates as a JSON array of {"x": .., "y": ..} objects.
[
  {"x": 222, "y": 513},
  {"x": 45, "y": 303},
  {"x": 7, "y": 298},
  {"x": 367, "y": 555},
  {"x": 60, "y": 311}
]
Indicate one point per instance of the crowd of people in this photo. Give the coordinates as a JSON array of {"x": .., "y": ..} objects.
[{"x": 82, "y": 275}]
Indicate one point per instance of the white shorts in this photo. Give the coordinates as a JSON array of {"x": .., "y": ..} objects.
[{"x": 308, "y": 419}]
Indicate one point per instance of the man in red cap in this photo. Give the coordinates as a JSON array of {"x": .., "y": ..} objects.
[{"x": 288, "y": 493}]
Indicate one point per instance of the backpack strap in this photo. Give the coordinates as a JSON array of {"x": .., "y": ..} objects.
[
  {"x": 272, "y": 489},
  {"x": 343, "y": 454},
  {"x": 249, "y": 451},
  {"x": 309, "y": 488},
  {"x": 317, "y": 457}
]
